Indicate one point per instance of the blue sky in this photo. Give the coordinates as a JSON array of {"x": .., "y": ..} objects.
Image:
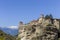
[{"x": 13, "y": 11}]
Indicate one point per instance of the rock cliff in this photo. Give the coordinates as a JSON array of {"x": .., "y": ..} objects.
[{"x": 41, "y": 29}]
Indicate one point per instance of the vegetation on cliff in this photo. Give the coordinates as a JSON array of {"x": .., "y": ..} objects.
[{"x": 4, "y": 36}]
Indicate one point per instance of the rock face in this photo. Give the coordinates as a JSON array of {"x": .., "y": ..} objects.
[{"x": 41, "y": 29}]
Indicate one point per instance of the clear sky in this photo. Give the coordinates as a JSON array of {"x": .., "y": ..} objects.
[{"x": 13, "y": 11}]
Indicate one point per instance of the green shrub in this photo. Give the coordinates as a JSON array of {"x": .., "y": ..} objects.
[{"x": 49, "y": 25}]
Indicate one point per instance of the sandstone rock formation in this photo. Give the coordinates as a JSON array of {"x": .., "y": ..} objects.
[{"x": 41, "y": 29}]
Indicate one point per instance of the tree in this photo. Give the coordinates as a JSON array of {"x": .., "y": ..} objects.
[{"x": 49, "y": 16}]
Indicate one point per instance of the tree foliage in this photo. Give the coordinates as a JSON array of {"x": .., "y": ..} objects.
[{"x": 49, "y": 16}]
